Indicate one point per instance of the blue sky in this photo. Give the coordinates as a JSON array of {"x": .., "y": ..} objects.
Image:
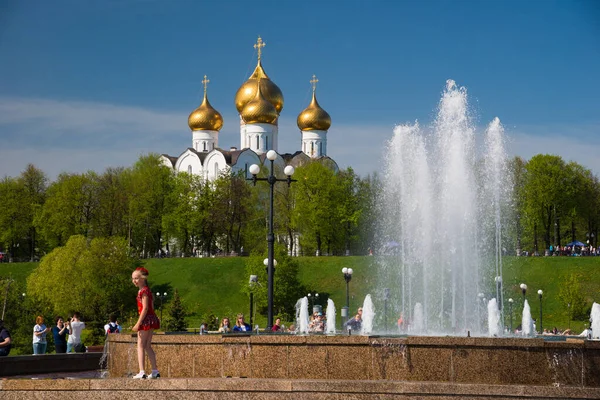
[{"x": 88, "y": 85}]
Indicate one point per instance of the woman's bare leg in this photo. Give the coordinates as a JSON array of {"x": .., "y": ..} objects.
[
  {"x": 141, "y": 349},
  {"x": 148, "y": 347}
]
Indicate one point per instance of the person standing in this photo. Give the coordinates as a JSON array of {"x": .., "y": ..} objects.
[
  {"x": 112, "y": 326},
  {"x": 277, "y": 325},
  {"x": 60, "y": 335},
  {"x": 75, "y": 326},
  {"x": 241, "y": 325},
  {"x": 5, "y": 340},
  {"x": 225, "y": 327},
  {"x": 146, "y": 324},
  {"x": 39, "y": 336}
]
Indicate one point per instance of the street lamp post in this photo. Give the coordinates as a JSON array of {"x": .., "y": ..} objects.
[
  {"x": 540, "y": 294},
  {"x": 348, "y": 277},
  {"x": 510, "y": 303},
  {"x": 253, "y": 281},
  {"x": 271, "y": 180},
  {"x": 523, "y": 290},
  {"x": 162, "y": 298}
]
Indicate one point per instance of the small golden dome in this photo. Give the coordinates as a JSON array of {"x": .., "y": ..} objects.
[
  {"x": 314, "y": 118},
  {"x": 205, "y": 117},
  {"x": 259, "y": 110}
]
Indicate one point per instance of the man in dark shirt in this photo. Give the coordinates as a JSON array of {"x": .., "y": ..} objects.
[{"x": 4, "y": 340}]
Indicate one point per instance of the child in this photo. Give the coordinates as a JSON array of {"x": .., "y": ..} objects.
[{"x": 147, "y": 322}]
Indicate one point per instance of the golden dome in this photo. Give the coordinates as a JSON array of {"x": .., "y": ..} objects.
[
  {"x": 314, "y": 117},
  {"x": 270, "y": 90},
  {"x": 259, "y": 110},
  {"x": 205, "y": 117}
]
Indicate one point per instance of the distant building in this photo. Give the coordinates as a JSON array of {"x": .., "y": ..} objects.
[{"x": 259, "y": 103}]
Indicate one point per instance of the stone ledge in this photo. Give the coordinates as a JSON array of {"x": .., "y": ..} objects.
[{"x": 302, "y": 388}]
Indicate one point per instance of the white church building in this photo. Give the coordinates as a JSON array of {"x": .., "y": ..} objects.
[{"x": 259, "y": 103}]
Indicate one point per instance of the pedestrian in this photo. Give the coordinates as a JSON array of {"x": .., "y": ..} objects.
[
  {"x": 5, "y": 340},
  {"x": 112, "y": 326},
  {"x": 39, "y": 336},
  {"x": 146, "y": 324},
  {"x": 60, "y": 335},
  {"x": 76, "y": 326},
  {"x": 241, "y": 325}
]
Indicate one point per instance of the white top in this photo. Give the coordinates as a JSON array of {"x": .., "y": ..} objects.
[
  {"x": 41, "y": 338},
  {"x": 108, "y": 325},
  {"x": 75, "y": 332}
]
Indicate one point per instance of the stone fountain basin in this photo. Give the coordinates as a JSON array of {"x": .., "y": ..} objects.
[{"x": 468, "y": 360}]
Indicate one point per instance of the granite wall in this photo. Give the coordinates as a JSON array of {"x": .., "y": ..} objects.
[{"x": 500, "y": 361}]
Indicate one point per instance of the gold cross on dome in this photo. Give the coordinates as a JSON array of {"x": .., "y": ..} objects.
[
  {"x": 313, "y": 82},
  {"x": 205, "y": 83},
  {"x": 258, "y": 46}
]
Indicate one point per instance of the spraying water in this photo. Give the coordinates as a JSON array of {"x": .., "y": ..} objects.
[
  {"x": 417, "y": 326},
  {"x": 494, "y": 326},
  {"x": 595, "y": 318},
  {"x": 527, "y": 321},
  {"x": 302, "y": 315},
  {"x": 367, "y": 316},
  {"x": 330, "y": 323},
  {"x": 442, "y": 219}
]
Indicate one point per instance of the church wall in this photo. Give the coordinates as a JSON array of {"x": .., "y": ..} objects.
[
  {"x": 314, "y": 143},
  {"x": 260, "y": 137}
]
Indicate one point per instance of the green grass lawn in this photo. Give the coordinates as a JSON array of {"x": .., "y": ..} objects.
[{"x": 214, "y": 284}]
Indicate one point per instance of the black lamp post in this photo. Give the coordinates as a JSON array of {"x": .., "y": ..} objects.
[
  {"x": 348, "y": 277},
  {"x": 540, "y": 294},
  {"x": 523, "y": 290},
  {"x": 271, "y": 180},
  {"x": 386, "y": 297},
  {"x": 162, "y": 298},
  {"x": 253, "y": 281},
  {"x": 510, "y": 303}
]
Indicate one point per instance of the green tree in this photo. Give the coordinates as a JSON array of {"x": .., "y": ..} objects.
[
  {"x": 547, "y": 193},
  {"x": 287, "y": 288},
  {"x": 148, "y": 185},
  {"x": 175, "y": 320},
  {"x": 14, "y": 219},
  {"x": 572, "y": 298},
  {"x": 89, "y": 276},
  {"x": 34, "y": 182},
  {"x": 69, "y": 209}
]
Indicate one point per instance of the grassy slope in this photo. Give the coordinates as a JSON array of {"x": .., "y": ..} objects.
[{"x": 213, "y": 284}]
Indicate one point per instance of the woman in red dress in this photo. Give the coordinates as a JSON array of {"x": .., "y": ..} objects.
[{"x": 147, "y": 322}]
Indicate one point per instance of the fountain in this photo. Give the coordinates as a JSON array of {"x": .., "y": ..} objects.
[
  {"x": 441, "y": 228},
  {"x": 367, "y": 316},
  {"x": 527, "y": 321},
  {"x": 494, "y": 325},
  {"x": 302, "y": 315},
  {"x": 595, "y": 321},
  {"x": 330, "y": 322}
]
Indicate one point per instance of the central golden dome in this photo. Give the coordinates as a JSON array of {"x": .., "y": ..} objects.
[
  {"x": 270, "y": 90},
  {"x": 259, "y": 110},
  {"x": 247, "y": 92},
  {"x": 205, "y": 117}
]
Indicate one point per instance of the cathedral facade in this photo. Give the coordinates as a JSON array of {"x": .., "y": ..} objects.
[{"x": 259, "y": 102}]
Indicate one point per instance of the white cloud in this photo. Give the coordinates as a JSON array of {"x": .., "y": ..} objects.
[{"x": 76, "y": 136}]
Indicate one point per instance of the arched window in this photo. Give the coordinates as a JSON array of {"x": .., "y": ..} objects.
[
  {"x": 257, "y": 139},
  {"x": 216, "y": 170},
  {"x": 189, "y": 169},
  {"x": 312, "y": 148},
  {"x": 203, "y": 146},
  {"x": 320, "y": 148}
]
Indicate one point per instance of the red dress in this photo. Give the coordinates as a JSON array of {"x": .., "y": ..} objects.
[{"x": 151, "y": 321}]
